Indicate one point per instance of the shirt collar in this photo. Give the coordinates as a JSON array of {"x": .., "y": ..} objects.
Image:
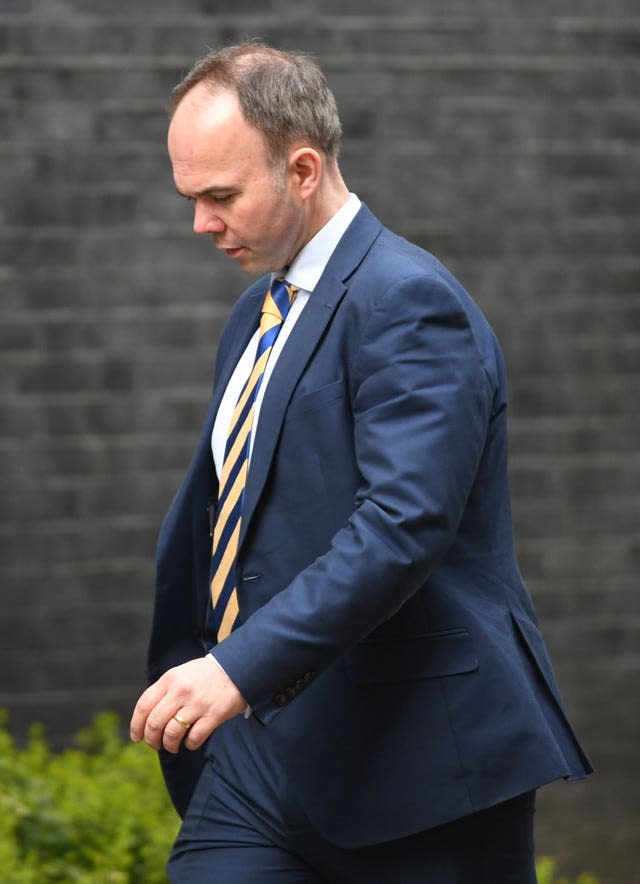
[{"x": 309, "y": 263}]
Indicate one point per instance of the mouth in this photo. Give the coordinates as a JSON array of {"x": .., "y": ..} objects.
[{"x": 234, "y": 252}]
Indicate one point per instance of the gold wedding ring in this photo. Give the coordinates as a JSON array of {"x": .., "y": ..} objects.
[{"x": 185, "y": 724}]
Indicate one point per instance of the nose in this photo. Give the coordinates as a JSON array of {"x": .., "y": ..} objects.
[{"x": 205, "y": 219}]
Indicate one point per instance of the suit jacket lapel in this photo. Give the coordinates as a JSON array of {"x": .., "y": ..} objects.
[
  {"x": 299, "y": 348},
  {"x": 291, "y": 363}
]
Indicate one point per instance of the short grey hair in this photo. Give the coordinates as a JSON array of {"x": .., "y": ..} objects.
[{"x": 283, "y": 94}]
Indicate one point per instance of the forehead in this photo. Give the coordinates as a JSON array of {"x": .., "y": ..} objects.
[{"x": 209, "y": 132}]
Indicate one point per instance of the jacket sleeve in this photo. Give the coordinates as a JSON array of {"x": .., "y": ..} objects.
[{"x": 421, "y": 404}]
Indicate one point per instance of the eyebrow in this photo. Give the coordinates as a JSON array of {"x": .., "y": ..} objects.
[{"x": 206, "y": 191}]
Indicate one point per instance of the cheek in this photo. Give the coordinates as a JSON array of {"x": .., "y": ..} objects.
[
  {"x": 257, "y": 218},
  {"x": 270, "y": 228},
  {"x": 287, "y": 220}
]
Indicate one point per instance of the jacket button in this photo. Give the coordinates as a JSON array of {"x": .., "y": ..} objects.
[{"x": 280, "y": 699}]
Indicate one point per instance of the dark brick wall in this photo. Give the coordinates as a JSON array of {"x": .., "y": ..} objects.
[{"x": 502, "y": 135}]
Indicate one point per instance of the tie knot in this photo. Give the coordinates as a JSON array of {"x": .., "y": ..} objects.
[{"x": 279, "y": 299}]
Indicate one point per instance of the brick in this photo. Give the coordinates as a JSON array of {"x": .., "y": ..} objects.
[{"x": 82, "y": 584}]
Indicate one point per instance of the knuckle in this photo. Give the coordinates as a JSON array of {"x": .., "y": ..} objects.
[
  {"x": 153, "y": 725},
  {"x": 142, "y": 709},
  {"x": 178, "y": 687}
]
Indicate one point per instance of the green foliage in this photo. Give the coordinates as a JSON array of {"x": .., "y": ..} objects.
[
  {"x": 546, "y": 869},
  {"x": 98, "y": 814}
]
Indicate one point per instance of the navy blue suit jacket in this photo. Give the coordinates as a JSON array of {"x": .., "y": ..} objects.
[{"x": 387, "y": 643}]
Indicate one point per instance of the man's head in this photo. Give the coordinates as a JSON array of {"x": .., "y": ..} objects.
[
  {"x": 284, "y": 95},
  {"x": 253, "y": 141}
]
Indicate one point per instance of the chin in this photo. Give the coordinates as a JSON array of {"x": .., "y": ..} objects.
[
  {"x": 256, "y": 266},
  {"x": 253, "y": 267}
]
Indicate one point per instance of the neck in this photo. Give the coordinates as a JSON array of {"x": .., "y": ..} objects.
[{"x": 330, "y": 197}]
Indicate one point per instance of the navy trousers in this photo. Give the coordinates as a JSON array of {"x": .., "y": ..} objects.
[{"x": 244, "y": 826}]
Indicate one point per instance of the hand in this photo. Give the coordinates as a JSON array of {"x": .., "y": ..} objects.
[{"x": 199, "y": 692}]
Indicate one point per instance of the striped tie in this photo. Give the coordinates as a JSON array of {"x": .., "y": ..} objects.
[{"x": 226, "y": 534}]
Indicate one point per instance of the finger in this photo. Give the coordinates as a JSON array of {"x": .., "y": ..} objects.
[
  {"x": 145, "y": 705},
  {"x": 199, "y": 732},
  {"x": 160, "y": 718},
  {"x": 176, "y": 730}
]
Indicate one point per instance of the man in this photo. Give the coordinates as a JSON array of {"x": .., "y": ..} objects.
[{"x": 362, "y": 607}]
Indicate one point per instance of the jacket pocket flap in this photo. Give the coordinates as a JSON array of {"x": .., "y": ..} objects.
[
  {"x": 319, "y": 398},
  {"x": 432, "y": 655}
]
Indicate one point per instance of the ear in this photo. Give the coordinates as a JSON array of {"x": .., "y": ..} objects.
[{"x": 305, "y": 168}]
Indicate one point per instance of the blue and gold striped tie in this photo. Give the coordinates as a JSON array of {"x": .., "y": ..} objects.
[{"x": 226, "y": 534}]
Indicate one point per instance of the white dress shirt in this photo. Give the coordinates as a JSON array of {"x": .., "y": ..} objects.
[{"x": 304, "y": 272}]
